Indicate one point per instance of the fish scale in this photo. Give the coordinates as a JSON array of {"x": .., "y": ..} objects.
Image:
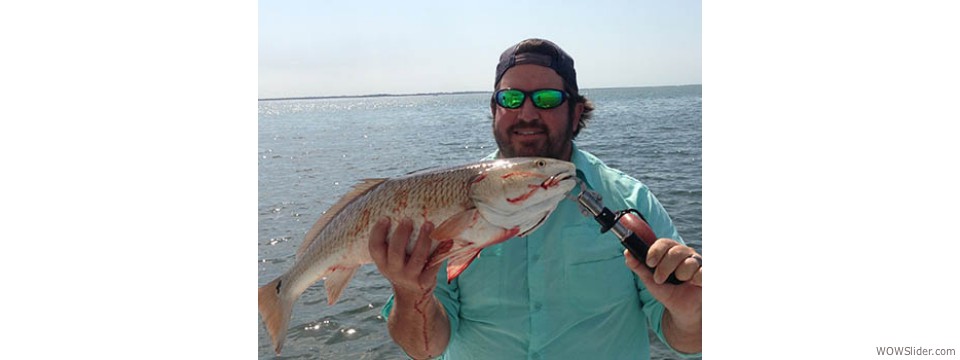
[{"x": 473, "y": 206}]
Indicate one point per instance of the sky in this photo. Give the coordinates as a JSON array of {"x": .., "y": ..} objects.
[{"x": 318, "y": 48}]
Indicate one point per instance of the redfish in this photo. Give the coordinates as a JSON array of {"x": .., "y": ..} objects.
[{"x": 473, "y": 206}]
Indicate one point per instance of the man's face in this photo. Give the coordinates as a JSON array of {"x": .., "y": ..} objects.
[{"x": 529, "y": 131}]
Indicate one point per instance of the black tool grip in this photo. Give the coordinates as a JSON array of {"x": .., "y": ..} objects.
[
  {"x": 639, "y": 250},
  {"x": 633, "y": 242}
]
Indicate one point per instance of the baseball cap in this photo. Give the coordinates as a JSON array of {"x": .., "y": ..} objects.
[{"x": 539, "y": 52}]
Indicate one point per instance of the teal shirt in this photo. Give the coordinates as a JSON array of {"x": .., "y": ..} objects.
[{"x": 562, "y": 292}]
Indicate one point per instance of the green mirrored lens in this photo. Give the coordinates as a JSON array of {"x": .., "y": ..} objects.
[
  {"x": 510, "y": 99},
  {"x": 547, "y": 99}
]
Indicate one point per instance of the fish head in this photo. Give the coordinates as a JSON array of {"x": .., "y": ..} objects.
[{"x": 521, "y": 192}]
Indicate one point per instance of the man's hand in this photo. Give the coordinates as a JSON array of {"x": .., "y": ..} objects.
[
  {"x": 407, "y": 273},
  {"x": 417, "y": 321},
  {"x": 669, "y": 257},
  {"x": 682, "y": 321}
]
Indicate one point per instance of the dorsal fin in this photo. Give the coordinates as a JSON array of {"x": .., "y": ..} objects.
[
  {"x": 426, "y": 169},
  {"x": 358, "y": 190}
]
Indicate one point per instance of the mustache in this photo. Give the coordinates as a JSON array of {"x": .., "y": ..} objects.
[{"x": 535, "y": 124}]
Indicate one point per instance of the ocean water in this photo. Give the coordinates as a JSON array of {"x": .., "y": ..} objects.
[{"x": 312, "y": 151}]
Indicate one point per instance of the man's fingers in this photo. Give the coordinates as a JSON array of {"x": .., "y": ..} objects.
[
  {"x": 658, "y": 251},
  {"x": 378, "y": 241},
  {"x": 669, "y": 263},
  {"x": 688, "y": 268},
  {"x": 667, "y": 257},
  {"x": 421, "y": 250},
  {"x": 397, "y": 252}
]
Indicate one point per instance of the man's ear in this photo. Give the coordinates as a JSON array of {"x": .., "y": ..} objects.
[{"x": 577, "y": 112}]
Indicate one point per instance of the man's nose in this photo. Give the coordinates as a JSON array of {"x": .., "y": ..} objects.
[{"x": 528, "y": 111}]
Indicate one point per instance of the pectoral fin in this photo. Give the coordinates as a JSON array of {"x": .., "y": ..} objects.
[
  {"x": 459, "y": 259},
  {"x": 469, "y": 233},
  {"x": 460, "y": 262},
  {"x": 456, "y": 225}
]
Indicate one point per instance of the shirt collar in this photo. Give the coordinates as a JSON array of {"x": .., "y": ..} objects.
[{"x": 586, "y": 167}]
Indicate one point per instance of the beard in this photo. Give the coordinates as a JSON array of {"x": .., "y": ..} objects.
[{"x": 549, "y": 144}]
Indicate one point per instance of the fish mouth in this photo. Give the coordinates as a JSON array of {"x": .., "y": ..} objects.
[{"x": 555, "y": 180}]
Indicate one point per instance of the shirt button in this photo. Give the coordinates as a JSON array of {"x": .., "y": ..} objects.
[
  {"x": 537, "y": 356},
  {"x": 535, "y": 257},
  {"x": 537, "y": 306}
]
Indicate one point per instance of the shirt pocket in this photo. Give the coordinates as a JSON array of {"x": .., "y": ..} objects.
[{"x": 595, "y": 273}]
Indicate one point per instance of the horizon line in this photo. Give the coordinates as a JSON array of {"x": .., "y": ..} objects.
[{"x": 437, "y": 93}]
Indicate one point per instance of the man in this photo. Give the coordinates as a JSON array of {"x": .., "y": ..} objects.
[{"x": 562, "y": 291}]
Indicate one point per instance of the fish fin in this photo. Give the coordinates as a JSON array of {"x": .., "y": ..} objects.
[
  {"x": 455, "y": 225},
  {"x": 275, "y": 310},
  {"x": 460, "y": 262},
  {"x": 468, "y": 230},
  {"x": 426, "y": 169},
  {"x": 337, "y": 279},
  {"x": 449, "y": 234},
  {"x": 441, "y": 252},
  {"x": 362, "y": 188}
]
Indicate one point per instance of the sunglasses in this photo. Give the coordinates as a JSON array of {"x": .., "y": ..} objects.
[{"x": 542, "y": 98}]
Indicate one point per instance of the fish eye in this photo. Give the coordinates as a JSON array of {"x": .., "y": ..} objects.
[{"x": 541, "y": 163}]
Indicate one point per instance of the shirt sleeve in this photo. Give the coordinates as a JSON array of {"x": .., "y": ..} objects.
[
  {"x": 644, "y": 201},
  {"x": 449, "y": 297}
]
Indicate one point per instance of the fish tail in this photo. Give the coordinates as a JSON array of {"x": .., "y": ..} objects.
[{"x": 275, "y": 310}]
